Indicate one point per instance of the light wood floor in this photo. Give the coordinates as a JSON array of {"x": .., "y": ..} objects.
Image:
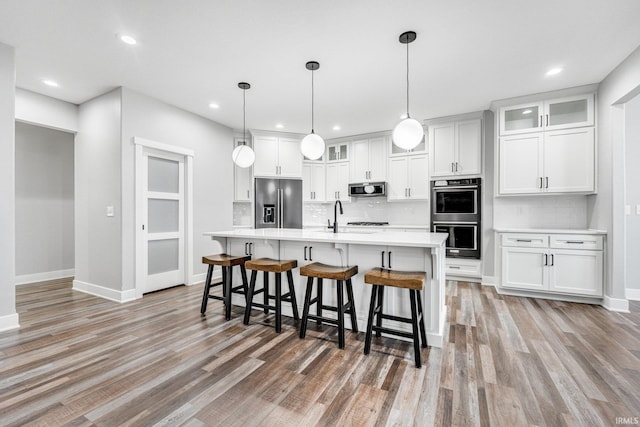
[{"x": 81, "y": 360}]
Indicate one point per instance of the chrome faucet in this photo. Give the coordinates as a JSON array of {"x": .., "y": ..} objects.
[{"x": 335, "y": 215}]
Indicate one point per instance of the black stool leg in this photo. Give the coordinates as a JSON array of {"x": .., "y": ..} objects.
[
  {"x": 265, "y": 287},
  {"x": 227, "y": 296},
  {"x": 207, "y": 286},
  {"x": 340, "y": 315},
  {"x": 423, "y": 333},
  {"x": 379, "y": 313},
  {"x": 352, "y": 307},
  {"x": 305, "y": 308},
  {"x": 278, "y": 302},
  {"x": 252, "y": 287},
  {"x": 319, "y": 303},
  {"x": 245, "y": 284},
  {"x": 414, "y": 326},
  {"x": 224, "y": 281},
  {"x": 292, "y": 294},
  {"x": 372, "y": 309}
]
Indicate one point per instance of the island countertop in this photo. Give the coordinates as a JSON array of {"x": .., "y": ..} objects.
[{"x": 419, "y": 239}]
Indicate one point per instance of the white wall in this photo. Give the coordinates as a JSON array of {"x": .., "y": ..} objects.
[
  {"x": 8, "y": 315},
  {"x": 151, "y": 119},
  {"x": 632, "y": 194},
  {"x": 44, "y": 203},
  {"x": 45, "y": 111},
  {"x": 98, "y": 238},
  {"x": 606, "y": 209}
]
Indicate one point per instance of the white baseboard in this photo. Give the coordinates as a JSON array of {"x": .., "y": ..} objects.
[
  {"x": 198, "y": 279},
  {"x": 106, "y": 293},
  {"x": 616, "y": 304},
  {"x": 23, "y": 279},
  {"x": 632, "y": 294},
  {"x": 488, "y": 280},
  {"x": 8, "y": 322}
]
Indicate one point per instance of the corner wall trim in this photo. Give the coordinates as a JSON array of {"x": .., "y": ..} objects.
[
  {"x": 106, "y": 293},
  {"x": 616, "y": 304},
  {"x": 632, "y": 294},
  {"x": 8, "y": 322},
  {"x": 23, "y": 279},
  {"x": 488, "y": 280}
]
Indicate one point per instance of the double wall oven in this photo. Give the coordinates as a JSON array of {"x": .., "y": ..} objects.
[{"x": 455, "y": 209}]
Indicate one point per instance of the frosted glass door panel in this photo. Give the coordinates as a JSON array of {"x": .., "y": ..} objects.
[
  {"x": 163, "y": 175},
  {"x": 163, "y": 255},
  {"x": 521, "y": 118},
  {"x": 568, "y": 112},
  {"x": 164, "y": 215}
]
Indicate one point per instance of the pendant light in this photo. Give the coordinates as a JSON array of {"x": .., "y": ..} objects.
[
  {"x": 312, "y": 145},
  {"x": 408, "y": 133},
  {"x": 243, "y": 155}
]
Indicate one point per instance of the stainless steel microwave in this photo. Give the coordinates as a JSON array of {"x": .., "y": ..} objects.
[{"x": 368, "y": 189}]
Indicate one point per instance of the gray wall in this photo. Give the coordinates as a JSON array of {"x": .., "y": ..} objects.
[
  {"x": 44, "y": 200},
  {"x": 8, "y": 316},
  {"x": 148, "y": 118},
  {"x": 98, "y": 239},
  {"x": 632, "y": 193}
]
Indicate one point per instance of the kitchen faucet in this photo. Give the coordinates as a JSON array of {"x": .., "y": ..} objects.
[{"x": 335, "y": 215}]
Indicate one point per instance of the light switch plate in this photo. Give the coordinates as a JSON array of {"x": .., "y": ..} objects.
[
  {"x": 627, "y": 209},
  {"x": 637, "y": 209},
  {"x": 110, "y": 211}
]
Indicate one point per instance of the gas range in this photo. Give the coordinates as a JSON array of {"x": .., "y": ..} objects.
[{"x": 367, "y": 223}]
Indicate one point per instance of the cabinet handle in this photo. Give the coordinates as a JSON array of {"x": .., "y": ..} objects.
[
  {"x": 546, "y": 259},
  {"x": 338, "y": 194},
  {"x": 310, "y": 257},
  {"x": 452, "y": 167},
  {"x": 389, "y": 258},
  {"x": 547, "y": 124},
  {"x": 248, "y": 196},
  {"x": 409, "y": 192},
  {"x": 546, "y": 182},
  {"x": 540, "y": 183},
  {"x": 250, "y": 248},
  {"x": 383, "y": 258},
  {"x": 305, "y": 253},
  {"x": 552, "y": 260},
  {"x": 454, "y": 267},
  {"x": 575, "y": 242},
  {"x": 456, "y": 166},
  {"x": 246, "y": 250},
  {"x": 524, "y": 240},
  {"x": 540, "y": 122}
]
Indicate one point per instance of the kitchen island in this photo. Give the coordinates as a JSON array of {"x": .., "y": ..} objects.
[{"x": 407, "y": 251}]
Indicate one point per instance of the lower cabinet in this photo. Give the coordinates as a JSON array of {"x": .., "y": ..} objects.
[{"x": 555, "y": 263}]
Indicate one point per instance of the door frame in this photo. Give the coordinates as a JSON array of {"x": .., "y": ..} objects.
[{"x": 140, "y": 268}]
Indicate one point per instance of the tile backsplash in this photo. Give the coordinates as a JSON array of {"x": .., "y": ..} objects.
[{"x": 540, "y": 212}]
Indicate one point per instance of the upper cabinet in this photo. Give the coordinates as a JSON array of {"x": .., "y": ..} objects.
[
  {"x": 313, "y": 182},
  {"x": 338, "y": 152},
  {"x": 337, "y": 183},
  {"x": 369, "y": 159},
  {"x": 455, "y": 148},
  {"x": 408, "y": 178},
  {"x": 555, "y": 114},
  {"x": 277, "y": 157}
]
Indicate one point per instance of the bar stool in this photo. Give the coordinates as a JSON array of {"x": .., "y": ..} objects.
[
  {"x": 227, "y": 262},
  {"x": 414, "y": 282},
  {"x": 340, "y": 274},
  {"x": 268, "y": 265}
]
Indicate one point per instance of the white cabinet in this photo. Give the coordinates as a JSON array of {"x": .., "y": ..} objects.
[
  {"x": 548, "y": 162},
  {"x": 338, "y": 152},
  {"x": 337, "y": 181},
  {"x": 456, "y": 148},
  {"x": 242, "y": 180},
  {"x": 369, "y": 160},
  {"x": 408, "y": 178},
  {"x": 554, "y": 114},
  {"x": 313, "y": 182},
  {"x": 554, "y": 263},
  {"x": 277, "y": 157}
]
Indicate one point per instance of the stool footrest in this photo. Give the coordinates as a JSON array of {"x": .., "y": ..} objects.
[
  {"x": 397, "y": 318},
  {"x": 323, "y": 319},
  {"x": 392, "y": 331}
]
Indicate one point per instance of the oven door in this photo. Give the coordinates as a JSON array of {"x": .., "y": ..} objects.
[
  {"x": 463, "y": 240},
  {"x": 455, "y": 204}
]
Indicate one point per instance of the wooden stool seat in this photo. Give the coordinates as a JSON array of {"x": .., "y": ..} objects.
[
  {"x": 413, "y": 281},
  {"x": 324, "y": 271},
  {"x": 399, "y": 279},
  {"x": 321, "y": 271},
  {"x": 271, "y": 265},
  {"x": 268, "y": 265},
  {"x": 225, "y": 260}
]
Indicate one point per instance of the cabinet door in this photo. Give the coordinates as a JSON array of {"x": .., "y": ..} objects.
[
  {"x": 441, "y": 149},
  {"x": 468, "y": 147},
  {"x": 521, "y": 118},
  {"x": 378, "y": 159},
  {"x": 575, "y": 111},
  {"x": 307, "y": 182},
  {"x": 360, "y": 161},
  {"x": 576, "y": 272},
  {"x": 266, "y": 150},
  {"x": 242, "y": 184},
  {"x": 398, "y": 184},
  {"x": 317, "y": 182},
  {"x": 366, "y": 257},
  {"x": 569, "y": 161},
  {"x": 289, "y": 158},
  {"x": 524, "y": 268},
  {"x": 418, "y": 181},
  {"x": 343, "y": 181},
  {"x": 521, "y": 164},
  {"x": 338, "y": 152}
]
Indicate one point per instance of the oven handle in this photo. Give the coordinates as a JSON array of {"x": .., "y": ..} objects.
[
  {"x": 456, "y": 187},
  {"x": 456, "y": 222}
]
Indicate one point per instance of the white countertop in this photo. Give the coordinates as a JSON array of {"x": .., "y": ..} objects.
[
  {"x": 551, "y": 230},
  {"x": 364, "y": 237}
]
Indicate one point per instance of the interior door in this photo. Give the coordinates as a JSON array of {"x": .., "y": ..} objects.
[{"x": 163, "y": 195}]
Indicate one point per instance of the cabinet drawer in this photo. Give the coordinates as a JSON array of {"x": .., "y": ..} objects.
[
  {"x": 526, "y": 240},
  {"x": 577, "y": 241},
  {"x": 470, "y": 268}
]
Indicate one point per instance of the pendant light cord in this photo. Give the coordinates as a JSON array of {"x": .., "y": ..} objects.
[
  {"x": 244, "y": 116},
  {"x": 312, "y": 96},
  {"x": 407, "y": 80}
]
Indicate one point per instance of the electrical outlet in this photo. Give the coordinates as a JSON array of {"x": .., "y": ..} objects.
[
  {"x": 110, "y": 211},
  {"x": 637, "y": 209},
  {"x": 627, "y": 209}
]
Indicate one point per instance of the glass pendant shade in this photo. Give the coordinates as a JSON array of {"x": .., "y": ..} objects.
[
  {"x": 408, "y": 134},
  {"x": 312, "y": 146},
  {"x": 243, "y": 156}
]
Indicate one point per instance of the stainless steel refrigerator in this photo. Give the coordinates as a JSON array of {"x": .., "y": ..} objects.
[{"x": 278, "y": 203}]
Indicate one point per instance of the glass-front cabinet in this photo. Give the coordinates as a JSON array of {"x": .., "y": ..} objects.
[{"x": 338, "y": 152}]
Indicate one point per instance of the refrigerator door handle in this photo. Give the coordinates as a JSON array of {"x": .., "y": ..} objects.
[{"x": 281, "y": 207}]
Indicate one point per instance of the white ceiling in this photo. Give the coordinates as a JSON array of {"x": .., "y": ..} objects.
[{"x": 193, "y": 52}]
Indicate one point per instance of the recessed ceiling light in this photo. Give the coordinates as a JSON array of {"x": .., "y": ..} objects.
[
  {"x": 336, "y": 127},
  {"x": 128, "y": 39},
  {"x": 554, "y": 71},
  {"x": 50, "y": 83},
  {"x": 527, "y": 112},
  {"x": 214, "y": 105},
  {"x": 279, "y": 125}
]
